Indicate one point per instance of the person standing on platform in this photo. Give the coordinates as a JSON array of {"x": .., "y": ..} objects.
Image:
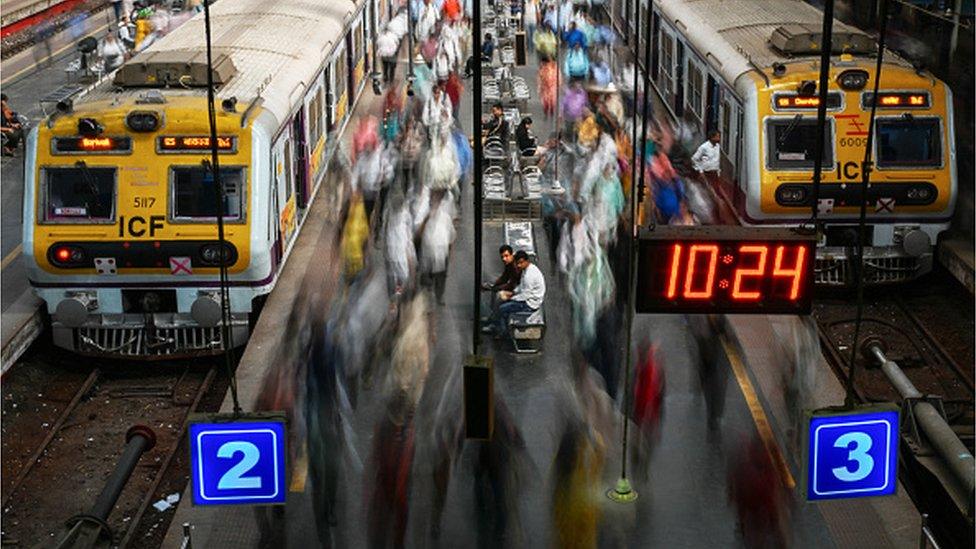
[
  {"x": 547, "y": 86},
  {"x": 530, "y": 19},
  {"x": 387, "y": 47},
  {"x": 706, "y": 158}
]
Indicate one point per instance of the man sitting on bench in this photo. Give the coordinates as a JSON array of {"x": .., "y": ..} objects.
[{"x": 528, "y": 294}]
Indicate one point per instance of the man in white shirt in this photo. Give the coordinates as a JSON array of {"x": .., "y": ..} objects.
[
  {"x": 706, "y": 158},
  {"x": 528, "y": 294}
]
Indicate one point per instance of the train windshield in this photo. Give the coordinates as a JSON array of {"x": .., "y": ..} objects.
[
  {"x": 791, "y": 143},
  {"x": 79, "y": 194},
  {"x": 909, "y": 142},
  {"x": 195, "y": 195}
]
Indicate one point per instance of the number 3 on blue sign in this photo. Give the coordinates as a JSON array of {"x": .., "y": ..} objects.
[
  {"x": 859, "y": 453},
  {"x": 238, "y": 462},
  {"x": 232, "y": 479},
  {"x": 852, "y": 454}
]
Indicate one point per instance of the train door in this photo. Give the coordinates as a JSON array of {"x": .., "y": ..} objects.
[
  {"x": 679, "y": 80},
  {"x": 730, "y": 131},
  {"x": 300, "y": 161},
  {"x": 285, "y": 190},
  {"x": 711, "y": 104}
]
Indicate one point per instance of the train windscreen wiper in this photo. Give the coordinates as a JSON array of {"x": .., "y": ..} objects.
[
  {"x": 89, "y": 180},
  {"x": 781, "y": 139}
]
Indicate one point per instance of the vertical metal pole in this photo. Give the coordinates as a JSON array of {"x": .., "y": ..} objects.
[
  {"x": 226, "y": 330},
  {"x": 826, "y": 44},
  {"x": 478, "y": 159},
  {"x": 954, "y": 37}
]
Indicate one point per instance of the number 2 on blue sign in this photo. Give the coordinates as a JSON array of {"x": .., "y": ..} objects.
[
  {"x": 233, "y": 478},
  {"x": 859, "y": 453}
]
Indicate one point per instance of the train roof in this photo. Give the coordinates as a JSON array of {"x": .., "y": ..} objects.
[
  {"x": 276, "y": 47},
  {"x": 738, "y": 33}
]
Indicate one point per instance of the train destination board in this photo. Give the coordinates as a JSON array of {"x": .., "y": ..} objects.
[
  {"x": 195, "y": 143},
  {"x": 724, "y": 270}
]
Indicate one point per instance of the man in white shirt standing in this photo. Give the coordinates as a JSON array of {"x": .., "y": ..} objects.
[
  {"x": 528, "y": 294},
  {"x": 706, "y": 158}
]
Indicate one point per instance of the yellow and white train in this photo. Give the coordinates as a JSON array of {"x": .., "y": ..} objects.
[
  {"x": 750, "y": 68},
  {"x": 119, "y": 209}
]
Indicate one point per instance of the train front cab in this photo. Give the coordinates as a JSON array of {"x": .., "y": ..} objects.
[
  {"x": 120, "y": 236},
  {"x": 912, "y": 189}
]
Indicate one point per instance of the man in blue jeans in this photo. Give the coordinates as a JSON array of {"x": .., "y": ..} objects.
[{"x": 528, "y": 294}]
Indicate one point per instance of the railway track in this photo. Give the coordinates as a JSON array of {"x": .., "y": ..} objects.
[
  {"x": 91, "y": 407},
  {"x": 927, "y": 329}
]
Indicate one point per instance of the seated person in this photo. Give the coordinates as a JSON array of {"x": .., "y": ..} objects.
[
  {"x": 497, "y": 125},
  {"x": 523, "y": 137},
  {"x": 528, "y": 295},
  {"x": 11, "y": 127},
  {"x": 506, "y": 282},
  {"x": 487, "y": 48}
]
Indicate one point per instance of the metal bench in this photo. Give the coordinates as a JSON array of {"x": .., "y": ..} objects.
[{"x": 527, "y": 330}]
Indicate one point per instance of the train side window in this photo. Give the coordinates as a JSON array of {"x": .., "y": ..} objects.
[
  {"x": 667, "y": 62},
  {"x": 194, "y": 195},
  {"x": 909, "y": 142},
  {"x": 695, "y": 85},
  {"x": 79, "y": 194},
  {"x": 791, "y": 143}
]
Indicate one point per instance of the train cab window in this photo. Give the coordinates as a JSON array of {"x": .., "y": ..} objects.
[
  {"x": 791, "y": 143},
  {"x": 79, "y": 194},
  {"x": 194, "y": 193},
  {"x": 909, "y": 142}
]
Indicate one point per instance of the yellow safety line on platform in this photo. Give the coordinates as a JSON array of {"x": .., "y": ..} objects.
[
  {"x": 299, "y": 472},
  {"x": 758, "y": 414},
  {"x": 11, "y": 256}
]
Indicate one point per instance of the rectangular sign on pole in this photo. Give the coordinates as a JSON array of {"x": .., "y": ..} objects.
[
  {"x": 238, "y": 461},
  {"x": 852, "y": 453}
]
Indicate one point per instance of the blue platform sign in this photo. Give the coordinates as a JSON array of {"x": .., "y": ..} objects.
[
  {"x": 852, "y": 454},
  {"x": 238, "y": 462}
]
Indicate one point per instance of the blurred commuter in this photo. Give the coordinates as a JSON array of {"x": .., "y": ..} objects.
[
  {"x": 436, "y": 247},
  {"x": 761, "y": 501},
  {"x": 355, "y": 233},
  {"x": 548, "y": 86},
  {"x": 387, "y": 47},
  {"x": 577, "y": 472},
  {"x": 391, "y": 459},
  {"x": 648, "y": 408},
  {"x": 323, "y": 427},
  {"x": 712, "y": 371},
  {"x": 499, "y": 469}
]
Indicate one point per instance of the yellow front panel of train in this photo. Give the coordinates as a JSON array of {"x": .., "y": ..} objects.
[
  {"x": 140, "y": 202},
  {"x": 911, "y": 150}
]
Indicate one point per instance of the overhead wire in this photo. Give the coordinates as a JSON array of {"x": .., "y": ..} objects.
[{"x": 866, "y": 167}]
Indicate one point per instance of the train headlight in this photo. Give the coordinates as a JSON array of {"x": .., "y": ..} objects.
[
  {"x": 142, "y": 121},
  {"x": 72, "y": 311},
  {"x": 791, "y": 195},
  {"x": 920, "y": 194},
  {"x": 65, "y": 255},
  {"x": 853, "y": 79},
  {"x": 210, "y": 254}
]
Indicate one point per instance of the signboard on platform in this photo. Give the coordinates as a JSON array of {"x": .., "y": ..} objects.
[
  {"x": 238, "y": 460},
  {"x": 852, "y": 453}
]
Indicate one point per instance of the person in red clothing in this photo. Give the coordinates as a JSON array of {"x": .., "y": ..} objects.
[
  {"x": 648, "y": 408},
  {"x": 454, "y": 88},
  {"x": 451, "y": 10}
]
